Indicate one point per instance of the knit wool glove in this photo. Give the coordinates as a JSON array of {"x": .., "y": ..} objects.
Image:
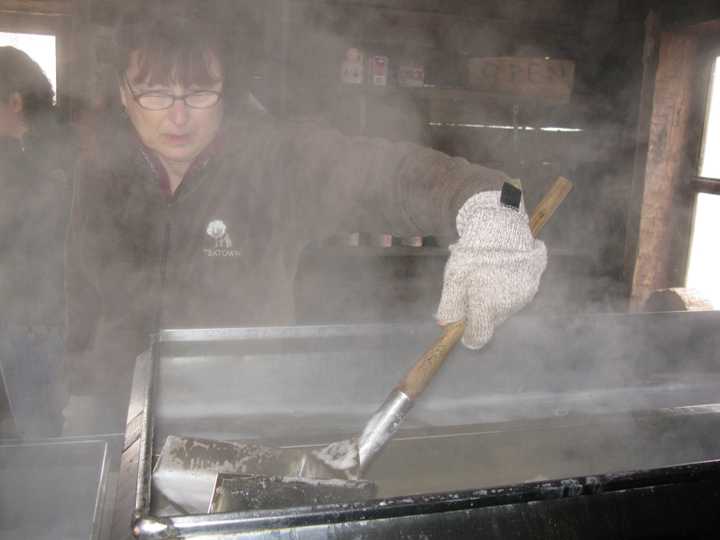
[{"x": 494, "y": 269}]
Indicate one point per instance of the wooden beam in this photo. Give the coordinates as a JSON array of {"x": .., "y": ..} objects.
[
  {"x": 37, "y": 7},
  {"x": 664, "y": 191},
  {"x": 706, "y": 185},
  {"x": 710, "y": 28},
  {"x": 650, "y": 64}
]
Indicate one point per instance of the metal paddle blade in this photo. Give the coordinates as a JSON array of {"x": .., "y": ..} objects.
[
  {"x": 187, "y": 468},
  {"x": 237, "y": 492}
]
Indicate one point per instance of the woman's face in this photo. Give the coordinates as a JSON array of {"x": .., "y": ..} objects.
[
  {"x": 12, "y": 123},
  {"x": 180, "y": 133}
]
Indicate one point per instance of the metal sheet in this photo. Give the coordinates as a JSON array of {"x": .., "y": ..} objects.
[
  {"x": 301, "y": 384},
  {"x": 32, "y": 392},
  {"x": 53, "y": 490},
  {"x": 547, "y": 399},
  {"x": 676, "y": 502}
]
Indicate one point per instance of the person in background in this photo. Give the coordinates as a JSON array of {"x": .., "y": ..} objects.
[
  {"x": 35, "y": 160},
  {"x": 198, "y": 212}
]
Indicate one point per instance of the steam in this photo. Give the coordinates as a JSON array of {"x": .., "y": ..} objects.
[{"x": 530, "y": 400}]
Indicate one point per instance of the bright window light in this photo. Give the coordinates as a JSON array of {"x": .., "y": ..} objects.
[
  {"x": 39, "y": 47},
  {"x": 704, "y": 265}
]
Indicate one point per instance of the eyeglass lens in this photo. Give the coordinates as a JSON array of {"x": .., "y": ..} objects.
[{"x": 197, "y": 100}]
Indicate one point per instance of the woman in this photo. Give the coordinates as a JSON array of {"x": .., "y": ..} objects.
[{"x": 34, "y": 165}]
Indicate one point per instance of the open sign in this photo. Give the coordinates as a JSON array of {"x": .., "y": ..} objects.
[{"x": 532, "y": 77}]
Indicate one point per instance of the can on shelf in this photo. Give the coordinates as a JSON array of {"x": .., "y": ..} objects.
[
  {"x": 353, "y": 67},
  {"x": 411, "y": 75},
  {"x": 378, "y": 70}
]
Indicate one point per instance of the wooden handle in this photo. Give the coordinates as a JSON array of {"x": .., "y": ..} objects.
[
  {"x": 425, "y": 368},
  {"x": 549, "y": 203},
  {"x": 429, "y": 363}
]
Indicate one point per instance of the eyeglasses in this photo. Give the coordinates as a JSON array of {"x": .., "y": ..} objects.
[{"x": 159, "y": 101}]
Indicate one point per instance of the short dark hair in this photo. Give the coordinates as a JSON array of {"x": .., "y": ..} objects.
[
  {"x": 20, "y": 73},
  {"x": 175, "y": 45}
]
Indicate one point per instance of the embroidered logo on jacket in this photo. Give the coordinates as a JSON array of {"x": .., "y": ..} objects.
[{"x": 217, "y": 230}]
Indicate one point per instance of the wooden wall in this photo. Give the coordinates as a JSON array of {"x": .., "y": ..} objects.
[
  {"x": 298, "y": 45},
  {"x": 603, "y": 38}
]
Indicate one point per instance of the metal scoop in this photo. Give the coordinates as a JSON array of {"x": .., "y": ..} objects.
[
  {"x": 187, "y": 469},
  {"x": 352, "y": 456}
]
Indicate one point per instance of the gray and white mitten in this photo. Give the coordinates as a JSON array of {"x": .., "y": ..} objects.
[{"x": 494, "y": 269}]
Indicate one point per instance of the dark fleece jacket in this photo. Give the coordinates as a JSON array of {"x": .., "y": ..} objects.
[
  {"x": 223, "y": 251},
  {"x": 34, "y": 205}
]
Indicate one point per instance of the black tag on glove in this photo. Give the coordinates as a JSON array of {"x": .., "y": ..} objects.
[{"x": 510, "y": 196}]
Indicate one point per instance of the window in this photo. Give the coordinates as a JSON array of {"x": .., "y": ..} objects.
[
  {"x": 704, "y": 263},
  {"x": 40, "y": 47},
  {"x": 710, "y": 160},
  {"x": 704, "y": 266}
]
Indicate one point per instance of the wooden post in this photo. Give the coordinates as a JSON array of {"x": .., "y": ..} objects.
[
  {"x": 663, "y": 187},
  {"x": 650, "y": 64}
]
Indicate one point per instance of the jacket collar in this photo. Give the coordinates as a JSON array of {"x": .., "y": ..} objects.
[{"x": 193, "y": 173}]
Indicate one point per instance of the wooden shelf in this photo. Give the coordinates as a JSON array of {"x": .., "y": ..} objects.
[
  {"x": 38, "y": 7},
  {"x": 474, "y": 96},
  {"x": 435, "y": 93},
  {"x": 705, "y": 185}
]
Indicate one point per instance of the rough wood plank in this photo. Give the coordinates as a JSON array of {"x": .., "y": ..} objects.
[
  {"x": 43, "y": 7},
  {"x": 650, "y": 62},
  {"x": 665, "y": 183}
]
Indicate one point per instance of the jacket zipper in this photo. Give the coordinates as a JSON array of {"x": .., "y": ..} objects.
[{"x": 157, "y": 324}]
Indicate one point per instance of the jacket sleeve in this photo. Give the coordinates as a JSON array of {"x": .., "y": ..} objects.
[
  {"x": 82, "y": 299},
  {"x": 102, "y": 336},
  {"x": 405, "y": 188}
]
